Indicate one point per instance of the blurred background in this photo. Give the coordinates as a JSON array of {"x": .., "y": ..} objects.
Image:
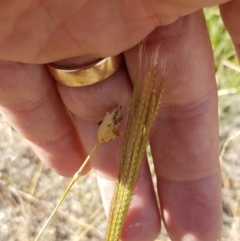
[{"x": 29, "y": 190}]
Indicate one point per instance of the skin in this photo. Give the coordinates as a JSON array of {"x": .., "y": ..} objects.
[{"x": 185, "y": 140}]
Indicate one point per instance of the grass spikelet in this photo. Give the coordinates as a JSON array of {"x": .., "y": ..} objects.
[
  {"x": 143, "y": 111},
  {"x": 108, "y": 130}
]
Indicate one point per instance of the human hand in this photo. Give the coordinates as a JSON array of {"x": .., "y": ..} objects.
[
  {"x": 47, "y": 31},
  {"x": 185, "y": 143}
]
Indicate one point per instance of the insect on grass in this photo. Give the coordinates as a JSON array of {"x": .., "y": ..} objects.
[
  {"x": 145, "y": 104},
  {"x": 107, "y": 131}
]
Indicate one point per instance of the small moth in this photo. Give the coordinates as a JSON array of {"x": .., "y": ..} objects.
[{"x": 108, "y": 128}]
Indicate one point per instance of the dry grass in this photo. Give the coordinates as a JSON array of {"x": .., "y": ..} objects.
[{"x": 25, "y": 204}]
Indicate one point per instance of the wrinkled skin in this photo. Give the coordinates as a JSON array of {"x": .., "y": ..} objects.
[
  {"x": 185, "y": 140},
  {"x": 46, "y": 31}
]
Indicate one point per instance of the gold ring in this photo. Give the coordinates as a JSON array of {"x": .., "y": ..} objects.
[{"x": 87, "y": 74}]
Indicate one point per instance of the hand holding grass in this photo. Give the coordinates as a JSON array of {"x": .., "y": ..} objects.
[{"x": 185, "y": 140}]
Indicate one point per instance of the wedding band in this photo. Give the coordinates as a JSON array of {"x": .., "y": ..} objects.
[{"x": 87, "y": 74}]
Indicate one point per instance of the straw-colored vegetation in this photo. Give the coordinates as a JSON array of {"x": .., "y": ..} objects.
[{"x": 146, "y": 101}]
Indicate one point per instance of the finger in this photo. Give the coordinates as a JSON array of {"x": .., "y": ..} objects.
[
  {"x": 185, "y": 140},
  {"x": 31, "y": 103},
  {"x": 231, "y": 18},
  {"x": 88, "y": 106}
]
